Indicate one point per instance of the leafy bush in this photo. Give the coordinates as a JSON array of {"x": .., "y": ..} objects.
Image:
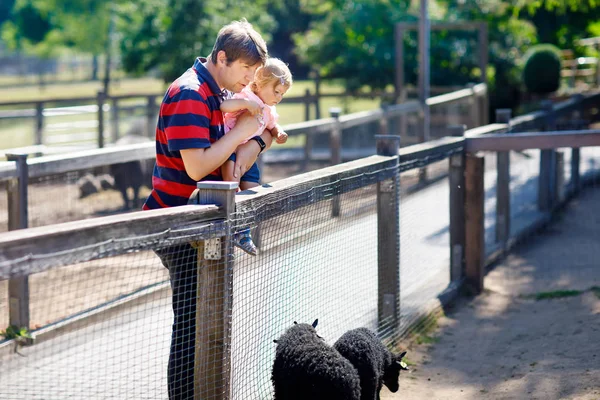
[{"x": 541, "y": 72}]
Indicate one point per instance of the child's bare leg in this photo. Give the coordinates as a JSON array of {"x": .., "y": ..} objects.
[
  {"x": 245, "y": 185},
  {"x": 227, "y": 171}
]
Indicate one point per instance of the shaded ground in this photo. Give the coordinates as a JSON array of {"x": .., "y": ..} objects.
[{"x": 505, "y": 344}]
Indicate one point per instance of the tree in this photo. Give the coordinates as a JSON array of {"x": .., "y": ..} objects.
[
  {"x": 168, "y": 39},
  {"x": 352, "y": 40}
]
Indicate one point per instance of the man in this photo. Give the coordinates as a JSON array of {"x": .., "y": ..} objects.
[{"x": 190, "y": 147}]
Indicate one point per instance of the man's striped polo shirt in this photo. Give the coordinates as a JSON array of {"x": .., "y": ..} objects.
[{"x": 189, "y": 118}]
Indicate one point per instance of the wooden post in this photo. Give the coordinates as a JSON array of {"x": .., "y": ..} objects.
[
  {"x": 335, "y": 144},
  {"x": 18, "y": 287},
  {"x": 474, "y": 111},
  {"x": 399, "y": 81},
  {"x": 317, "y": 94},
  {"x": 503, "y": 185},
  {"x": 474, "y": 222},
  {"x": 307, "y": 103},
  {"x": 456, "y": 179},
  {"x": 384, "y": 128},
  {"x": 39, "y": 122},
  {"x": 214, "y": 301},
  {"x": 100, "y": 101},
  {"x": 151, "y": 117},
  {"x": 558, "y": 195},
  {"x": 575, "y": 159},
  {"x": 388, "y": 243},
  {"x": 546, "y": 180},
  {"x": 114, "y": 112}
]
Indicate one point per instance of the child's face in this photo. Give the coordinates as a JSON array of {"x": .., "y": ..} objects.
[{"x": 272, "y": 94}]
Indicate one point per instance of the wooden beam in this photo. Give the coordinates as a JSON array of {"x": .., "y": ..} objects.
[
  {"x": 542, "y": 140},
  {"x": 33, "y": 250}
]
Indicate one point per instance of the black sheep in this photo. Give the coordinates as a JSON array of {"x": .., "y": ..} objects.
[
  {"x": 376, "y": 365},
  {"x": 306, "y": 368}
]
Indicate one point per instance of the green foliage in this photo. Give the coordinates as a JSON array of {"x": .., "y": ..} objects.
[
  {"x": 352, "y": 40},
  {"x": 14, "y": 332},
  {"x": 541, "y": 72},
  {"x": 169, "y": 38},
  {"x": 557, "y": 294}
]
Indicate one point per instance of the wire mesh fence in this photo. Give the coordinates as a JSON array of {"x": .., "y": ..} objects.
[{"x": 102, "y": 304}]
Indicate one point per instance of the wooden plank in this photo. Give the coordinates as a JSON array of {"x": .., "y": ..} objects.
[
  {"x": 388, "y": 242},
  {"x": 433, "y": 147},
  {"x": 35, "y": 250},
  {"x": 276, "y": 194},
  {"x": 533, "y": 140},
  {"x": 474, "y": 222},
  {"x": 58, "y": 164}
]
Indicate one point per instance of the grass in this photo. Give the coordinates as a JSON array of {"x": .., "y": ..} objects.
[{"x": 556, "y": 294}]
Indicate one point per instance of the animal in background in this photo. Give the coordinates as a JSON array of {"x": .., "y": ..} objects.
[
  {"x": 132, "y": 174},
  {"x": 306, "y": 368}
]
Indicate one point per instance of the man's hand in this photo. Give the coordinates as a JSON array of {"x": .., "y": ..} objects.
[{"x": 247, "y": 153}]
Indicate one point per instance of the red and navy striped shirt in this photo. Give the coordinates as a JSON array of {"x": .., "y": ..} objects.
[{"x": 189, "y": 118}]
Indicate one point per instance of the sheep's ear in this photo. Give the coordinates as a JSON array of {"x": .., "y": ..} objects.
[
  {"x": 401, "y": 356},
  {"x": 314, "y": 324},
  {"x": 274, "y": 340},
  {"x": 295, "y": 323},
  {"x": 402, "y": 365}
]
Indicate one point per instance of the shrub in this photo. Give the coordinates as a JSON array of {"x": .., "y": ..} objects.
[{"x": 541, "y": 72}]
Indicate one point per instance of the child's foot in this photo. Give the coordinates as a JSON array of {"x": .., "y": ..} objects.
[{"x": 243, "y": 240}]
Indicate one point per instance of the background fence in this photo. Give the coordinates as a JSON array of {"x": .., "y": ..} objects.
[{"x": 331, "y": 241}]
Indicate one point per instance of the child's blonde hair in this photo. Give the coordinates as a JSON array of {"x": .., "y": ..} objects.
[{"x": 273, "y": 71}]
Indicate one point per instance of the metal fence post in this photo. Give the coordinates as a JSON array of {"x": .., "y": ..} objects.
[
  {"x": 388, "y": 243},
  {"x": 18, "y": 288},
  {"x": 546, "y": 179},
  {"x": 100, "y": 101},
  {"x": 335, "y": 144},
  {"x": 456, "y": 179},
  {"x": 474, "y": 222},
  {"x": 503, "y": 184},
  {"x": 39, "y": 122},
  {"x": 214, "y": 301}
]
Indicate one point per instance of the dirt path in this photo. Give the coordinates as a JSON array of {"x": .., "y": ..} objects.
[{"x": 505, "y": 343}]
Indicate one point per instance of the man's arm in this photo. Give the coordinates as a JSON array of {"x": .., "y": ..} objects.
[
  {"x": 201, "y": 162},
  {"x": 247, "y": 153}
]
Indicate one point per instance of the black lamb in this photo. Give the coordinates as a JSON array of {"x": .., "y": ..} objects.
[
  {"x": 376, "y": 365},
  {"x": 306, "y": 368}
]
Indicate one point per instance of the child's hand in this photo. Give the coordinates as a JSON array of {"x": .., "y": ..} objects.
[
  {"x": 254, "y": 108},
  {"x": 281, "y": 137}
]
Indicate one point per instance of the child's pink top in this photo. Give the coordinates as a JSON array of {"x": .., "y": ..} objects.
[{"x": 269, "y": 115}]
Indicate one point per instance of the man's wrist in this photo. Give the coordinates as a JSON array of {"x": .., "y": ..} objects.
[{"x": 261, "y": 143}]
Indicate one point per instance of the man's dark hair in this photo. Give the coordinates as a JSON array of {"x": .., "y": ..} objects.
[{"x": 239, "y": 40}]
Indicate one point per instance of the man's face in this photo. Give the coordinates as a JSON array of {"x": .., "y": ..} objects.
[{"x": 237, "y": 75}]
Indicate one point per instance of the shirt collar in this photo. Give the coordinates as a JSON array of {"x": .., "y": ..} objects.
[{"x": 205, "y": 76}]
